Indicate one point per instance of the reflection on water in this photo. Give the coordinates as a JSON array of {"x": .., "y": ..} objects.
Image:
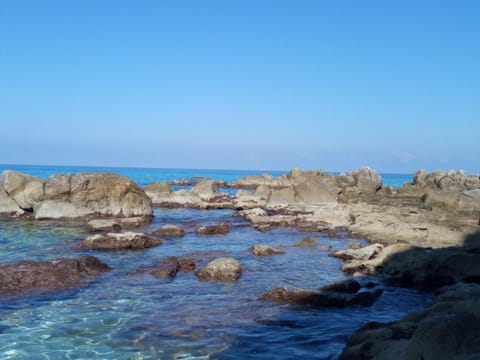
[{"x": 125, "y": 316}]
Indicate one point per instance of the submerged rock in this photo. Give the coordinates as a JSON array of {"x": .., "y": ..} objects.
[
  {"x": 349, "y": 286},
  {"x": 322, "y": 299},
  {"x": 265, "y": 250},
  {"x": 118, "y": 241},
  {"x": 28, "y": 276},
  {"x": 221, "y": 269},
  {"x": 169, "y": 267},
  {"x": 220, "y": 229},
  {"x": 307, "y": 242}
]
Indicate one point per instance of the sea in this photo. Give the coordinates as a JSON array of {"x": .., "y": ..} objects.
[{"x": 126, "y": 315}]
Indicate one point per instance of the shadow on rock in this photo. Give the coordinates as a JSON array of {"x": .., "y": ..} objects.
[{"x": 449, "y": 328}]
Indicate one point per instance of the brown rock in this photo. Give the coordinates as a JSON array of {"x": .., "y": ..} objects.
[
  {"x": 170, "y": 231},
  {"x": 220, "y": 229},
  {"x": 27, "y": 276},
  {"x": 307, "y": 242},
  {"x": 265, "y": 250}
]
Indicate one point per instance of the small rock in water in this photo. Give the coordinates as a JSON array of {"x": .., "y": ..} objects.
[
  {"x": 265, "y": 250},
  {"x": 307, "y": 242},
  {"x": 170, "y": 231},
  {"x": 220, "y": 229},
  {"x": 117, "y": 241},
  {"x": 221, "y": 269}
]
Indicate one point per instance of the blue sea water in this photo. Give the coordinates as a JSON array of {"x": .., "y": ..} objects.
[{"x": 123, "y": 315}]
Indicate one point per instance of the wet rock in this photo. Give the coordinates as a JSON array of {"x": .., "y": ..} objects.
[
  {"x": 31, "y": 276},
  {"x": 169, "y": 267},
  {"x": 265, "y": 250},
  {"x": 115, "y": 225},
  {"x": 118, "y": 241},
  {"x": 322, "y": 299},
  {"x": 221, "y": 269},
  {"x": 170, "y": 231},
  {"x": 307, "y": 242},
  {"x": 349, "y": 286},
  {"x": 220, "y": 229}
]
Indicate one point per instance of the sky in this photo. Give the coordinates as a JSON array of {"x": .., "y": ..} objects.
[{"x": 250, "y": 84}]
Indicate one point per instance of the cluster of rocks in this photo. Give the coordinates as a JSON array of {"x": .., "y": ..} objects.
[
  {"x": 204, "y": 195},
  {"x": 72, "y": 196}
]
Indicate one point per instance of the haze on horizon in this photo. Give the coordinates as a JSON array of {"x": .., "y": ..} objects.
[{"x": 241, "y": 84}]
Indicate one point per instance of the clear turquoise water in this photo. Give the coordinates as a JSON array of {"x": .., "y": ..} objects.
[{"x": 121, "y": 315}]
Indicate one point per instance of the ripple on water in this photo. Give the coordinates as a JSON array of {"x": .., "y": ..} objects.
[{"x": 125, "y": 316}]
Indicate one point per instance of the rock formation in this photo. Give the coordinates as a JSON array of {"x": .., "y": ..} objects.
[{"x": 73, "y": 196}]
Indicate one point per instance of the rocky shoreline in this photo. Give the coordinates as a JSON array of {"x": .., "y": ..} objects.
[{"x": 424, "y": 235}]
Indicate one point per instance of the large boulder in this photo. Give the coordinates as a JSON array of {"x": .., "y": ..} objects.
[
  {"x": 27, "y": 276},
  {"x": 8, "y": 206},
  {"x": 27, "y": 191},
  {"x": 206, "y": 189},
  {"x": 119, "y": 241},
  {"x": 367, "y": 180},
  {"x": 221, "y": 269},
  {"x": 71, "y": 196}
]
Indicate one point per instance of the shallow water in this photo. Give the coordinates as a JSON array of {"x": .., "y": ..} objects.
[{"x": 122, "y": 315}]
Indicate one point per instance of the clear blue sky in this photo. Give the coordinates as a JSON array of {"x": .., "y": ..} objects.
[{"x": 241, "y": 84}]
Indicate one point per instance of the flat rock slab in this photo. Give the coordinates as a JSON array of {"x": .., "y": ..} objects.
[
  {"x": 265, "y": 250},
  {"x": 170, "y": 231},
  {"x": 220, "y": 229},
  {"x": 221, "y": 269},
  {"x": 31, "y": 276},
  {"x": 116, "y": 224},
  {"x": 120, "y": 241}
]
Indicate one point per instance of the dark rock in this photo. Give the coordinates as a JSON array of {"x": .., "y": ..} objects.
[
  {"x": 322, "y": 299},
  {"x": 28, "y": 276},
  {"x": 349, "y": 286},
  {"x": 220, "y": 229}
]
